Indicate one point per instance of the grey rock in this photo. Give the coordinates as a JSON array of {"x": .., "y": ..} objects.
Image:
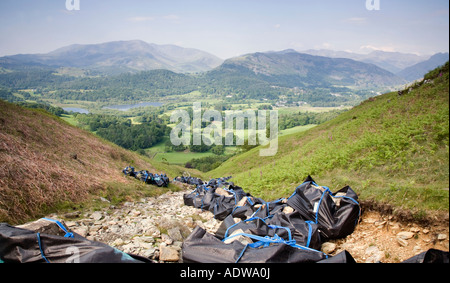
[
  {"x": 97, "y": 215},
  {"x": 175, "y": 234},
  {"x": 45, "y": 227}
]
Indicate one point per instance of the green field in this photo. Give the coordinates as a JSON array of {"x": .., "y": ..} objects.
[{"x": 157, "y": 152}]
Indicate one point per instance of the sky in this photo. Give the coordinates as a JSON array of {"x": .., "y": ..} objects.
[{"x": 229, "y": 28}]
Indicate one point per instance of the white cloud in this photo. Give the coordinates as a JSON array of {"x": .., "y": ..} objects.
[
  {"x": 377, "y": 48},
  {"x": 277, "y": 26}
]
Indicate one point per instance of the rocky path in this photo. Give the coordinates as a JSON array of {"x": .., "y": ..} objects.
[{"x": 155, "y": 228}]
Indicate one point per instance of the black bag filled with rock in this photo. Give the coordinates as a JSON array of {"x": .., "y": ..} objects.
[
  {"x": 219, "y": 200},
  {"x": 287, "y": 226},
  {"x": 430, "y": 256},
  {"x": 250, "y": 206},
  {"x": 337, "y": 214},
  {"x": 195, "y": 197},
  {"x": 160, "y": 180},
  {"x": 202, "y": 247},
  {"x": 19, "y": 245},
  {"x": 225, "y": 200}
]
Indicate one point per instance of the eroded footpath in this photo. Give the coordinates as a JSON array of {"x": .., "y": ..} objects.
[{"x": 156, "y": 227}]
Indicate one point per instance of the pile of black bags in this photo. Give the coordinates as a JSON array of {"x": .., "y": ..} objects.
[
  {"x": 160, "y": 180},
  {"x": 284, "y": 230},
  {"x": 288, "y": 230}
]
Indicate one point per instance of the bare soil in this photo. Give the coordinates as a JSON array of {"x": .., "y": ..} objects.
[{"x": 376, "y": 238}]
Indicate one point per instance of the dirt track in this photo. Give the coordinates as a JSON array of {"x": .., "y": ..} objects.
[{"x": 378, "y": 238}]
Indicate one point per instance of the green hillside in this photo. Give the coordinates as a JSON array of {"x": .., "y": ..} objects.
[
  {"x": 47, "y": 165},
  {"x": 391, "y": 149}
]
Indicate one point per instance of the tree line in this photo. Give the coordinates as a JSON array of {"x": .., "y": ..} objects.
[{"x": 123, "y": 132}]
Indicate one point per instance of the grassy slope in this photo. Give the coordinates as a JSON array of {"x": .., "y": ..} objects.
[
  {"x": 38, "y": 174},
  {"x": 392, "y": 149}
]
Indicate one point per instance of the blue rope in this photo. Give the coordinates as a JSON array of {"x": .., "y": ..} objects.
[
  {"x": 40, "y": 247},
  {"x": 266, "y": 241},
  {"x": 309, "y": 232}
]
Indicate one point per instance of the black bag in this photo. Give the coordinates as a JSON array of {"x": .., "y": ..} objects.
[
  {"x": 19, "y": 245},
  {"x": 336, "y": 214},
  {"x": 202, "y": 247},
  {"x": 224, "y": 205},
  {"x": 129, "y": 171},
  {"x": 257, "y": 207},
  {"x": 158, "y": 180},
  {"x": 287, "y": 226},
  {"x": 195, "y": 198},
  {"x": 430, "y": 256}
]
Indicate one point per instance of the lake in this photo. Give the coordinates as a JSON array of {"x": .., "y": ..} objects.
[
  {"x": 76, "y": 110},
  {"x": 130, "y": 106}
]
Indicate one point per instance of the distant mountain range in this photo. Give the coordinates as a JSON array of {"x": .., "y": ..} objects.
[
  {"x": 408, "y": 66},
  {"x": 137, "y": 70},
  {"x": 290, "y": 68},
  {"x": 117, "y": 57},
  {"x": 417, "y": 71},
  {"x": 120, "y": 56}
]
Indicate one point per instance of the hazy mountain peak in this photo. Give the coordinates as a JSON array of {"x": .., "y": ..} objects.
[
  {"x": 391, "y": 61},
  {"x": 132, "y": 55}
]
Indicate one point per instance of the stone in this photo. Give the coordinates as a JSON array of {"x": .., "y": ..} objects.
[
  {"x": 72, "y": 215},
  {"x": 374, "y": 254},
  {"x": 166, "y": 239},
  {"x": 135, "y": 212},
  {"x": 288, "y": 209},
  {"x": 442, "y": 237},
  {"x": 145, "y": 239},
  {"x": 71, "y": 224},
  {"x": 97, "y": 215},
  {"x": 104, "y": 200},
  {"x": 175, "y": 234},
  {"x": 405, "y": 235},
  {"x": 415, "y": 229},
  {"x": 328, "y": 247},
  {"x": 222, "y": 192},
  {"x": 45, "y": 227},
  {"x": 145, "y": 246},
  {"x": 168, "y": 254},
  {"x": 149, "y": 253},
  {"x": 402, "y": 242},
  {"x": 118, "y": 242},
  {"x": 81, "y": 230},
  {"x": 244, "y": 240}
]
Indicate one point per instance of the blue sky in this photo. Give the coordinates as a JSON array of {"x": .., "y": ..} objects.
[{"x": 228, "y": 28}]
